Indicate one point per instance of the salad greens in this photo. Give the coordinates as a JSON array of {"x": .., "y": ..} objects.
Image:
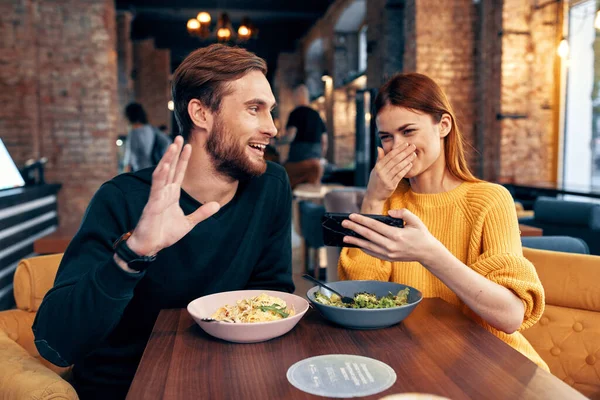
[
  {"x": 276, "y": 308},
  {"x": 366, "y": 300}
]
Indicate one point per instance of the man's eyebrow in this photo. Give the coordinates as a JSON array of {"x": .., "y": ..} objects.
[{"x": 260, "y": 102}]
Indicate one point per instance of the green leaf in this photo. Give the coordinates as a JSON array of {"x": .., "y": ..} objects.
[{"x": 276, "y": 308}]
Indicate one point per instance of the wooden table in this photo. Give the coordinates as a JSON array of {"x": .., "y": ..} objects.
[
  {"x": 435, "y": 350},
  {"x": 527, "y": 230}
]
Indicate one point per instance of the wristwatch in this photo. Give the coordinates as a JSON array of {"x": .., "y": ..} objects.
[{"x": 130, "y": 257}]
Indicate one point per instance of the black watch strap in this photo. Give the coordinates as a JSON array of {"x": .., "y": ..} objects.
[{"x": 130, "y": 257}]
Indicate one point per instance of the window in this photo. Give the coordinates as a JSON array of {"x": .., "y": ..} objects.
[
  {"x": 362, "y": 49},
  {"x": 582, "y": 112}
]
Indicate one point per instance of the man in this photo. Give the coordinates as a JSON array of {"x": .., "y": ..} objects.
[
  {"x": 309, "y": 143},
  {"x": 138, "y": 147},
  {"x": 216, "y": 216}
]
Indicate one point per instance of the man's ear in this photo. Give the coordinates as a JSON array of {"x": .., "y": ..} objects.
[
  {"x": 200, "y": 115},
  {"x": 445, "y": 125}
]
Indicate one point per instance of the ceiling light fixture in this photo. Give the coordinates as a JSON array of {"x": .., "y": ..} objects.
[{"x": 223, "y": 31}]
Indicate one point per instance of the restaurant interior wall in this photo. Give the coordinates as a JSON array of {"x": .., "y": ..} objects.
[{"x": 58, "y": 93}]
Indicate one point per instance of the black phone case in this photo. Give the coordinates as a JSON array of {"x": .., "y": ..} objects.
[{"x": 334, "y": 232}]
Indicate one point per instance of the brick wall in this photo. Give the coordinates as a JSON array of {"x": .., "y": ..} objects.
[
  {"x": 344, "y": 112},
  {"x": 346, "y": 56},
  {"x": 59, "y": 69},
  {"x": 78, "y": 87},
  {"x": 444, "y": 52},
  {"x": 488, "y": 83},
  {"x": 528, "y": 145},
  {"x": 125, "y": 67},
  {"x": 375, "y": 44},
  {"x": 19, "y": 100},
  {"x": 495, "y": 59},
  {"x": 386, "y": 39},
  {"x": 153, "y": 80}
]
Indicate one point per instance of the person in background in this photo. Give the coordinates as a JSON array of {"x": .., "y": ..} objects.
[
  {"x": 140, "y": 139},
  {"x": 461, "y": 239},
  {"x": 308, "y": 135},
  {"x": 213, "y": 216},
  {"x": 164, "y": 129}
]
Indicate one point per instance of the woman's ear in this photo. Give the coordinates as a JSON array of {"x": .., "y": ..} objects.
[
  {"x": 200, "y": 115},
  {"x": 445, "y": 125}
]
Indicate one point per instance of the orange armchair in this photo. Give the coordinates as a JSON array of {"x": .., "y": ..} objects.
[
  {"x": 567, "y": 336},
  {"x": 24, "y": 374}
]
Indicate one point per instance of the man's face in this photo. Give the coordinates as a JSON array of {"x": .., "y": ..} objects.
[{"x": 243, "y": 127}]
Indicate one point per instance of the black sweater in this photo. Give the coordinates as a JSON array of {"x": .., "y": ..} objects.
[{"x": 99, "y": 317}]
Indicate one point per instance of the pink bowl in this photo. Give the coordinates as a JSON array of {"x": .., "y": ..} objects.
[{"x": 204, "y": 307}]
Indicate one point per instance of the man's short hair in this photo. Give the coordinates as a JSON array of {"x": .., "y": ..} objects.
[
  {"x": 205, "y": 75},
  {"x": 136, "y": 114}
]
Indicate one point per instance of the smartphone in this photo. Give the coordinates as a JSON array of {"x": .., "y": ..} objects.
[{"x": 334, "y": 232}]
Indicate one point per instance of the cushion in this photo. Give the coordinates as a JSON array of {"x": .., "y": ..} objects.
[{"x": 33, "y": 278}]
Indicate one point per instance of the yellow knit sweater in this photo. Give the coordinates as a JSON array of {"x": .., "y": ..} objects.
[{"x": 477, "y": 222}]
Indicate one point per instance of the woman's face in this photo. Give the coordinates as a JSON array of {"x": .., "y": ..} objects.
[{"x": 398, "y": 126}]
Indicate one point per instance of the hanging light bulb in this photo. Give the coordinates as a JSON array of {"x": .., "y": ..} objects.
[
  {"x": 224, "y": 32},
  {"x": 244, "y": 31},
  {"x": 563, "y": 49},
  {"x": 193, "y": 25},
  {"x": 597, "y": 20},
  {"x": 204, "y": 17}
]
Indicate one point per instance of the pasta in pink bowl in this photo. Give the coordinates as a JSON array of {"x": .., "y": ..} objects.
[{"x": 248, "y": 316}]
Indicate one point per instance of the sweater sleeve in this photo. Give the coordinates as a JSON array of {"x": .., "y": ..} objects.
[
  {"x": 354, "y": 264},
  {"x": 502, "y": 259},
  {"x": 90, "y": 290}
]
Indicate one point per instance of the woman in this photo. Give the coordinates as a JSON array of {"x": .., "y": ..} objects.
[{"x": 461, "y": 238}]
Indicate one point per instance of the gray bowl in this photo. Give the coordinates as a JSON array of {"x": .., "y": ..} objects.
[{"x": 356, "y": 318}]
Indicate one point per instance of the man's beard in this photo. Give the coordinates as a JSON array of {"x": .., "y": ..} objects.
[{"x": 229, "y": 157}]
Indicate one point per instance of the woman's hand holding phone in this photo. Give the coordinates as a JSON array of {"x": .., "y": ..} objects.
[{"x": 413, "y": 242}]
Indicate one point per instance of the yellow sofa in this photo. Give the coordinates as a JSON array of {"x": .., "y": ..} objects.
[
  {"x": 567, "y": 336},
  {"x": 23, "y": 373}
]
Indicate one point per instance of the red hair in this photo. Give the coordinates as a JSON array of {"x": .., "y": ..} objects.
[{"x": 418, "y": 92}]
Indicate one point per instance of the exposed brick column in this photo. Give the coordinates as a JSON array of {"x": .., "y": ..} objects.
[
  {"x": 488, "y": 84},
  {"x": 78, "y": 91},
  {"x": 344, "y": 108},
  {"x": 152, "y": 81},
  {"x": 444, "y": 52},
  {"x": 125, "y": 67},
  {"x": 19, "y": 100},
  {"x": 346, "y": 56},
  {"x": 528, "y": 105},
  {"x": 386, "y": 23}
]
